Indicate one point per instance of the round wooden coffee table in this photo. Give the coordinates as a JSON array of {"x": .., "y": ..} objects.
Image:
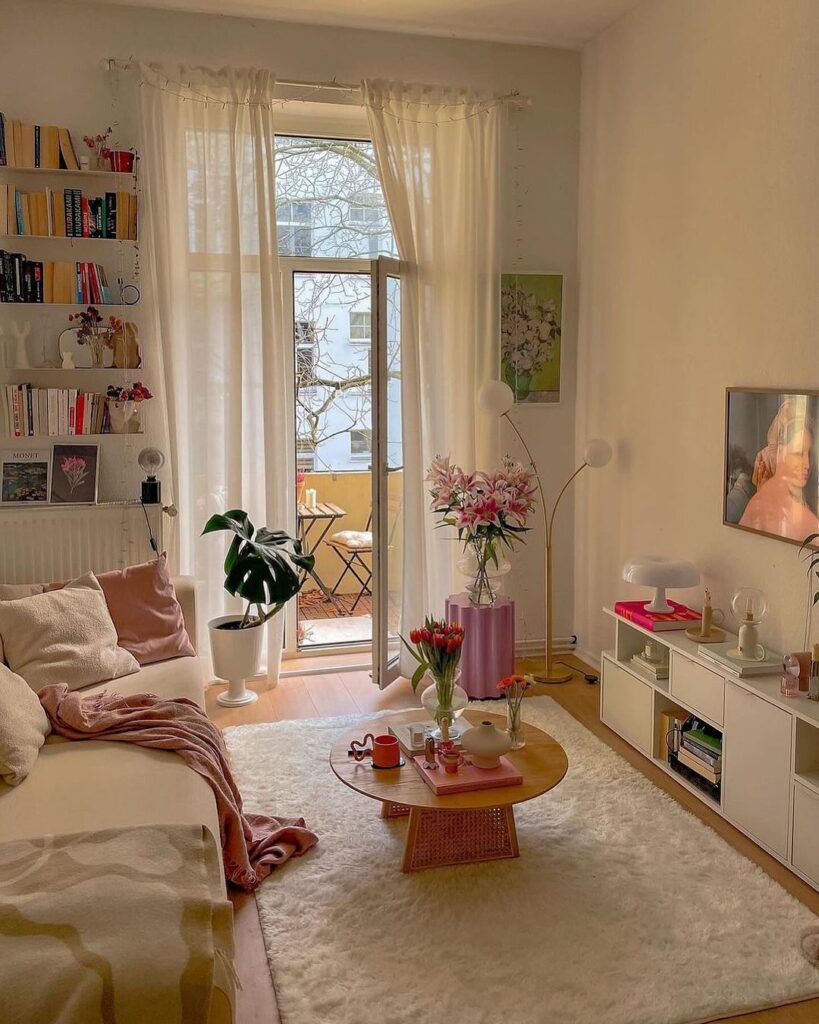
[{"x": 464, "y": 827}]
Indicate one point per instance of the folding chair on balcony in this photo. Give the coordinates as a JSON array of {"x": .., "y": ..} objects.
[{"x": 352, "y": 545}]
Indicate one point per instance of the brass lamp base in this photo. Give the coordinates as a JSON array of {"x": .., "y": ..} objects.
[{"x": 555, "y": 675}]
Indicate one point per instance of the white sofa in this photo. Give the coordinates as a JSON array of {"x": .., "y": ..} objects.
[{"x": 94, "y": 784}]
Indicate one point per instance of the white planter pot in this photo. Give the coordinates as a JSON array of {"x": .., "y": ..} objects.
[{"x": 237, "y": 655}]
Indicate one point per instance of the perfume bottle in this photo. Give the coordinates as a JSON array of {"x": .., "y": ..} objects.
[{"x": 813, "y": 682}]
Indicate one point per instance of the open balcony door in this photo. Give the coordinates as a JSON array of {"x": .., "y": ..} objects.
[{"x": 388, "y": 470}]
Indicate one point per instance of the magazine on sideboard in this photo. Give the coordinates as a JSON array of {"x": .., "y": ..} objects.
[{"x": 680, "y": 617}]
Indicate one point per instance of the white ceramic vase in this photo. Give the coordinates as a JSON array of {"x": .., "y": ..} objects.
[
  {"x": 125, "y": 417},
  {"x": 236, "y": 655},
  {"x": 485, "y": 742}
]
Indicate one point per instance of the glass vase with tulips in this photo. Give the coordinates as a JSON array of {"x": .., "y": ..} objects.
[
  {"x": 514, "y": 688},
  {"x": 436, "y": 646}
]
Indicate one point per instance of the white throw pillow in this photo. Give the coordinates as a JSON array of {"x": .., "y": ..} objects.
[
  {"x": 23, "y": 727},
  {"x": 10, "y": 592},
  {"x": 64, "y": 636}
]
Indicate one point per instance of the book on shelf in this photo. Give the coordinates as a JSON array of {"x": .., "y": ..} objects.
[
  {"x": 722, "y": 656},
  {"x": 680, "y": 617},
  {"x": 700, "y": 767},
  {"x": 50, "y": 281},
  {"x": 714, "y": 761},
  {"x": 27, "y": 411},
  {"x": 36, "y": 145},
  {"x": 656, "y": 670},
  {"x": 468, "y": 777},
  {"x": 67, "y": 213}
]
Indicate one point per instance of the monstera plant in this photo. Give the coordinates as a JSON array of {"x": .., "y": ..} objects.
[{"x": 265, "y": 568}]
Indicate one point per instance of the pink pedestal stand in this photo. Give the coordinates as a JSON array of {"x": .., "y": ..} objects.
[{"x": 489, "y": 643}]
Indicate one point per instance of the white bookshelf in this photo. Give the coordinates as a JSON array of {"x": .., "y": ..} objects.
[{"x": 770, "y": 757}]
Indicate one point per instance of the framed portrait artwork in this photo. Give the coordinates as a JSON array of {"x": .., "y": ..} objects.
[
  {"x": 771, "y": 481},
  {"x": 24, "y": 476},
  {"x": 531, "y": 328},
  {"x": 74, "y": 474}
]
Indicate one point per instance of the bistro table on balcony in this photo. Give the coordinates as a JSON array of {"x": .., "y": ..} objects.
[{"x": 319, "y": 519}]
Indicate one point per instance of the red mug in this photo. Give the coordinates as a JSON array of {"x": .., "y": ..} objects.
[{"x": 385, "y": 751}]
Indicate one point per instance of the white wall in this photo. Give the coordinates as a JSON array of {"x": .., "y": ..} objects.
[
  {"x": 699, "y": 242},
  {"x": 50, "y": 73}
]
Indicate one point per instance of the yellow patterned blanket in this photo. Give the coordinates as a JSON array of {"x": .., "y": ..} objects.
[{"x": 122, "y": 926}]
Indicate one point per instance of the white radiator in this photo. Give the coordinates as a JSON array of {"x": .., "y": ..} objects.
[{"x": 58, "y": 542}]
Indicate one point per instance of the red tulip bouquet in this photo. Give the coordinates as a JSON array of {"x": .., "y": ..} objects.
[
  {"x": 437, "y": 649},
  {"x": 514, "y": 688}
]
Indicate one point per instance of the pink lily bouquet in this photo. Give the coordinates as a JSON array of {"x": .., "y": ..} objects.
[{"x": 489, "y": 511}]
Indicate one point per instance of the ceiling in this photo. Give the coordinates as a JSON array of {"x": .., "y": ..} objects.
[{"x": 568, "y": 23}]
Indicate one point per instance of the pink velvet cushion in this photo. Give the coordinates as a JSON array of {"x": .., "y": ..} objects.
[{"x": 147, "y": 616}]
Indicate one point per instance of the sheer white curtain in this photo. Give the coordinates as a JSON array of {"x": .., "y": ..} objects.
[
  {"x": 208, "y": 174},
  {"x": 438, "y": 154}
]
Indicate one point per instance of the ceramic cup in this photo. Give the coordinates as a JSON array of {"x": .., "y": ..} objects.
[
  {"x": 384, "y": 750},
  {"x": 450, "y": 758}
]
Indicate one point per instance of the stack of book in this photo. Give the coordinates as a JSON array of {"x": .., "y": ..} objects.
[
  {"x": 26, "y": 411},
  {"x": 654, "y": 670},
  {"x": 35, "y": 145},
  {"x": 725, "y": 655},
  {"x": 67, "y": 213},
  {"x": 25, "y": 280},
  {"x": 701, "y": 752}
]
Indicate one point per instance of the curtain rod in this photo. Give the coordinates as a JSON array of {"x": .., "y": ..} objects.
[{"x": 514, "y": 97}]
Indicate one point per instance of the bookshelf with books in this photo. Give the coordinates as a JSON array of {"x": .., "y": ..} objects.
[{"x": 741, "y": 745}]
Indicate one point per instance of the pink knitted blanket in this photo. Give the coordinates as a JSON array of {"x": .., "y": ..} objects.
[{"x": 252, "y": 844}]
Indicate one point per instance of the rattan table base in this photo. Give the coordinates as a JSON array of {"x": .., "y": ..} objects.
[{"x": 466, "y": 836}]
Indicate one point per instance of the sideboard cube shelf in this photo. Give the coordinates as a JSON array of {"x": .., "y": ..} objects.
[{"x": 770, "y": 752}]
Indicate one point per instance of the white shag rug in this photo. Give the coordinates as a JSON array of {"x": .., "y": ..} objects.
[{"x": 623, "y": 908}]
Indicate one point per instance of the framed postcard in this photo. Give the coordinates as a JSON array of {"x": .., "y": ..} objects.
[
  {"x": 74, "y": 474},
  {"x": 531, "y": 318},
  {"x": 771, "y": 480},
  {"x": 24, "y": 476}
]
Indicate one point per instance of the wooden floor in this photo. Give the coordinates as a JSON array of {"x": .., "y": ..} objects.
[
  {"x": 352, "y": 692},
  {"x": 314, "y": 605}
]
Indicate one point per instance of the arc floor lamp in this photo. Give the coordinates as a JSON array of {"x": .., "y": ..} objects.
[{"x": 496, "y": 398}]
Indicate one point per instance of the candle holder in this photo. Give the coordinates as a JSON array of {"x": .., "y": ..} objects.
[{"x": 708, "y": 631}]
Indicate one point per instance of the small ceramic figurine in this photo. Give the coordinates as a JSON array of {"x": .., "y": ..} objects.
[
  {"x": 21, "y": 349},
  {"x": 430, "y": 763},
  {"x": 68, "y": 361}
]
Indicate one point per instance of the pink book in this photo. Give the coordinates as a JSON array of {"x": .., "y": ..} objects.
[
  {"x": 468, "y": 777},
  {"x": 635, "y": 611}
]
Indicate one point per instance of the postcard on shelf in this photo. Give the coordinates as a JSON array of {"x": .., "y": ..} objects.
[
  {"x": 679, "y": 618},
  {"x": 24, "y": 476}
]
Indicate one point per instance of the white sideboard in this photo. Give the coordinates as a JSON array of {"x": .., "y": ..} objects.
[{"x": 770, "y": 745}]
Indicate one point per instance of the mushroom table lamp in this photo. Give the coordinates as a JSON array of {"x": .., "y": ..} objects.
[
  {"x": 496, "y": 398},
  {"x": 660, "y": 572}
]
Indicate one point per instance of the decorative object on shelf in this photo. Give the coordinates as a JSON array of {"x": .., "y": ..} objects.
[
  {"x": 749, "y": 605},
  {"x": 151, "y": 460},
  {"x": 21, "y": 333},
  {"x": 708, "y": 632},
  {"x": 68, "y": 359},
  {"x": 771, "y": 463},
  {"x": 24, "y": 476},
  {"x": 660, "y": 572},
  {"x": 485, "y": 742},
  {"x": 125, "y": 345},
  {"x": 436, "y": 646},
  {"x": 122, "y": 160},
  {"x": 513, "y": 688},
  {"x": 449, "y": 757},
  {"x": 489, "y": 510},
  {"x": 531, "y": 310},
  {"x": 74, "y": 474},
  {"x": 790, "y": 684},
  {"x": 430, "y": 763},
  {"x": 496, "y": 398},
  {"x": 488, "y": 651},
  {"x": 266, "y": 568},
  {"x": 94, "y": 332},
  {"x": 98, "y": 144},
  {"x": 125, "y": 406},
  {"x": 813, "y": 679}
]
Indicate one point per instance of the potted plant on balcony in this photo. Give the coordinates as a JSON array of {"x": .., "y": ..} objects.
[{"x": 266, "y": 568}]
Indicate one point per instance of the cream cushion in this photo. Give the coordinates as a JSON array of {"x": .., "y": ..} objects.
[
  {"x": 65, "y": 636},
  {"x": 23, "y": 727},
  {"x": 352, "y": 540},
  {"x": 10, "y": 592}
]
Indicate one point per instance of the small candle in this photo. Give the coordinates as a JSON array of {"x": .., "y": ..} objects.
[
  {"x": 707, "y": 612},
  {"x": 749, "y": 609}
]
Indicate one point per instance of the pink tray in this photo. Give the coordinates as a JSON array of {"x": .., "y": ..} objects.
[{"x": 469, "y": 778}]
